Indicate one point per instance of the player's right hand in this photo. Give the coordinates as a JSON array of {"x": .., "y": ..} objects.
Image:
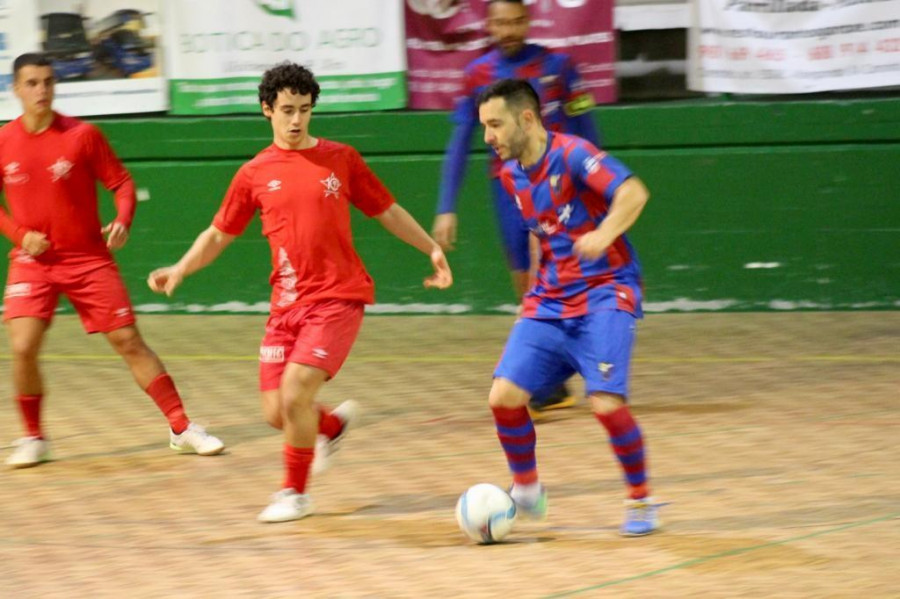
[
  {"x": 442, "y": 277},
  {"x": 165, "y": 280},
  {"x": 444, "y": 230},
  {"x": 35, "y": 243}
]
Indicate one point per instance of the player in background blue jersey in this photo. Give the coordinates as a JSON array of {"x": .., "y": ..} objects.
[
  {"x": 566, "y": 105},
  {"x": 580, "y": 315}
]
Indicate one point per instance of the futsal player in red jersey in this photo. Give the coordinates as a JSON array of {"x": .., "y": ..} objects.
[
  {"x": 304, "y": 187},
  {"x": 50, "y": 165},
  {"x": 581, "y": 313}
]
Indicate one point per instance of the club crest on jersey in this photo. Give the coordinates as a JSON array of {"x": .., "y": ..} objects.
[
  {"x": 332, "y": 186},
  {"x": 60, "y": 169},
  {"x": 12, "y": 176},
  {"x": 554, "y": 183}
]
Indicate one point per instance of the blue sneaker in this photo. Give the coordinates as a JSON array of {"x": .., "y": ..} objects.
[
  {"x": 535, "y": 509},
  {"x": 641, "y": 517}
]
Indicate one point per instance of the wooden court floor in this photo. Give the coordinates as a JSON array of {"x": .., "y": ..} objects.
[{"x": 773, "y": 438}]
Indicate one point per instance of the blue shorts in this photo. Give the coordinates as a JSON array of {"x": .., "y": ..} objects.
[
  {"x": 513, "y": 232},
  {"x": 541, "y": 354}
]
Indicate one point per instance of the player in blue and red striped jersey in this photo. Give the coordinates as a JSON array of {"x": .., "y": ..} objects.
[
  {"x": 566, "y": 105},
  {"x": 580, "y": 314}
]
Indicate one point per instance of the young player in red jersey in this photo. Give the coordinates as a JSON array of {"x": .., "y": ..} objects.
[
  {"x": 580, "y": 315},
  {"x": 51, "y": 164},
  {"x": 303, "y": 188}
]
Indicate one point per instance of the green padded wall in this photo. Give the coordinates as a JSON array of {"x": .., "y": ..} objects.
[{"x": 755, "y": 205}]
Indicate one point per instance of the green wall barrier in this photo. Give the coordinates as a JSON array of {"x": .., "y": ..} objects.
[{"x": 755, "y": 206}]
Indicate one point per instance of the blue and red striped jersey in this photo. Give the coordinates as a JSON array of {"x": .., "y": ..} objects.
[
  {"x": 565, "y": 103},
  {"x": 565, "y": 195}
]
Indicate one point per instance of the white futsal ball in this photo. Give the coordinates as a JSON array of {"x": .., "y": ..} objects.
[{"x": 485, "y": 513}]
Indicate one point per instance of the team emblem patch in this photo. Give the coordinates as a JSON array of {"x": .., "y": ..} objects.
[
  {"x": 332, "y": 186},
  {"x": 60, "y": 169}
]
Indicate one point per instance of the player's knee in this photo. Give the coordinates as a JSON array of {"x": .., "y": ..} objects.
[
  {"x": 291, "y": 403},
  {"x": 272, "y": 409},
  {"x": 25, "y": 349},
  {"x": 128, "y": 342},
  {"x": 505, "y": 394},
  {"x": 606, "y": 403}
]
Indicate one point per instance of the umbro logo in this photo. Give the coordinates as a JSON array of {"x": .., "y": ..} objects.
[
  {"x": 274, "y": 185},
  {"x": 12, "y": 176},
  {"x": 320, "y": 353}
]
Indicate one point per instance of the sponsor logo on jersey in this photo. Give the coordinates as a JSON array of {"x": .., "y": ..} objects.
[
  {"x": 592, "y": 164},
  {"x": 320, "y": 352},
  {"x": 274, "y": 185},
  {"x": 271, "y": 354},
  {"x": 565, "y": 213}
]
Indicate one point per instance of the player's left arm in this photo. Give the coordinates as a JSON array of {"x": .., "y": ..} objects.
[
  {"x": 579, "y": 104},
  {"x": 110, "y": 171},
  {"x": 404, "y": 227}
]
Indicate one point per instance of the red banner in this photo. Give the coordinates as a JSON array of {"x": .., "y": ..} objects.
[{"x": 443, "y": 36}]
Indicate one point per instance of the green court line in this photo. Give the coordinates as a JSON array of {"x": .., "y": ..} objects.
[
  {"x": 723, "y": 554},
  {"x": 864, "y": 359}
]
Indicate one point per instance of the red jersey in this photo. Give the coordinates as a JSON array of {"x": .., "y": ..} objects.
[
  {"x": 49, "y": 179},
  {"x": 304, "y": 199}
]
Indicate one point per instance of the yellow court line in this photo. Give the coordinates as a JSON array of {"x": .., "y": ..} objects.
[{"x": 869, "y": 359}]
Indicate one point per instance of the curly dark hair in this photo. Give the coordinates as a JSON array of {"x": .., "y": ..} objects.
[{"x": 287, "y": 75}]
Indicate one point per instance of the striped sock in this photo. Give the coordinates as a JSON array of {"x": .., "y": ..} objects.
[
  {"x": 628, "y": 445},
  {"x": 516, "y": 433},
  {"x": 296, "y": 467},
  {"x": 30, "y": 406}
]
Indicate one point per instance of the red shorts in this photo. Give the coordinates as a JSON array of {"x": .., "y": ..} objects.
[
  {"x": 93, "y": 286},
  {"x": 319, "y": 335}
]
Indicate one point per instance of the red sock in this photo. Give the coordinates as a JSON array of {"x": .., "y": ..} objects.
[
  {"x": 628, "y": 445},
  {"x": 516, "y": 433},
  {"x": 162, "y": 390},
  {"x": 297, "y": 461},
  {"x": 329, "y": 424},
  {"x": 30, "y": 406}
]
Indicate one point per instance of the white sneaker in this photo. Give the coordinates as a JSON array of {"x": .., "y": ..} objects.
[
  {"x": 195, "y": 439},
  {"x": 30, "y": 451},
  {"x": 348, "y": 412},
  {"x": 287, "y": 505}
]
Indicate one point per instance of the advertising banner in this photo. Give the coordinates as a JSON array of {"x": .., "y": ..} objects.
[
  {"x": 793, "y": 46},
  {"x": 106, "y": 53},
  {"x": 218, "y": 49},
  {"x": 443, "y": 36}
]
